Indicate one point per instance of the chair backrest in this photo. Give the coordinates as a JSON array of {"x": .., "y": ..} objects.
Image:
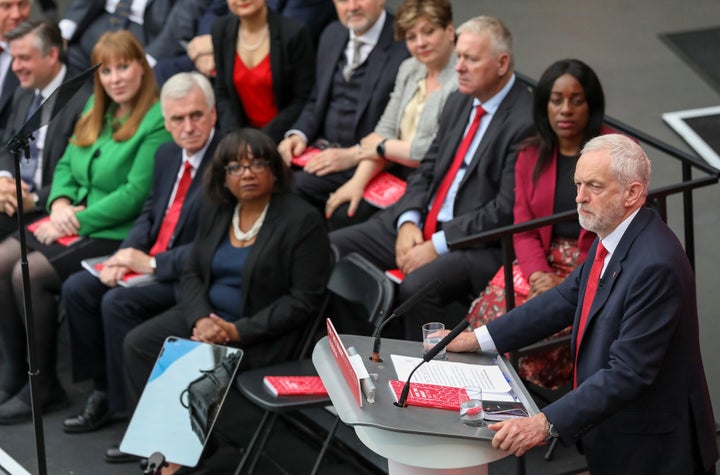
[
  {"x": 357, "y": 280},
  {"x": 355, "y": 284}
]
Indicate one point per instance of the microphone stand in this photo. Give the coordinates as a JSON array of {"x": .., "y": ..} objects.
[{"x": 18, "y": 144}]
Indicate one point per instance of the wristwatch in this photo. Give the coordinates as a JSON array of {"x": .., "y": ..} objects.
[
  {"x": 380, "y": 149},
  {"x": 552, "y": 432},
  {"x": 153, "y": 264}
]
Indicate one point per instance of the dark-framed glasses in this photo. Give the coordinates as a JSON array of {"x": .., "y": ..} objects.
[{"x": 256, "y": 166}]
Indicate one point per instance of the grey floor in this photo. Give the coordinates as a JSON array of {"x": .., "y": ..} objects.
[{"x": 642, "y": 79}]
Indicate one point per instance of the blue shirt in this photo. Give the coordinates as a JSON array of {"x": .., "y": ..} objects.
[{"x": 226, "y": 270}]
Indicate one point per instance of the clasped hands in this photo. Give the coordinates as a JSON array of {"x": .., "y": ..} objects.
[
  {"x": 213, "y": 329},
  {"x": 412, "y": 251},
  {"x": 63, "y": 222},
  {"x": 8, "y": 196},
  {"x": 123, "y": 261}
]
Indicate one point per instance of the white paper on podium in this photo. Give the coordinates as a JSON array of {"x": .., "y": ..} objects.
[{"x": 447, "y": 373}]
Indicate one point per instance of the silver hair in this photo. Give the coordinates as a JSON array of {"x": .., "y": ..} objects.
[
  {"x": 180, "y": 85},
  {"x": 501, "y": 36},
  {"x": 628, "y": 161}
]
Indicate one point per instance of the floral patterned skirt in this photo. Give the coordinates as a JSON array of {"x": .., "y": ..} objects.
[{"x": 547, "y": 368}]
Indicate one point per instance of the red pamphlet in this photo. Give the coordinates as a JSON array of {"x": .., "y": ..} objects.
[
  {"x": 384, "y": 190},
  {"x": 520, "y": 283},
  {"x": 396, "y": 275},
  {"x": 64, "y": 241},
  {"x": 295, "y": 385},
  {"x": 430, "y": 395},
  {"x": 302, "y": 159}
]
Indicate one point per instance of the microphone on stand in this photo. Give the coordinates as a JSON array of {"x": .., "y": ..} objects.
[
  {"x": 400, "y": 310},
  {"x": 402, "y": 402}
]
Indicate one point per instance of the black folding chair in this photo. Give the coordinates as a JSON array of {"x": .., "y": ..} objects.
[{"x": 354, "y": 284}]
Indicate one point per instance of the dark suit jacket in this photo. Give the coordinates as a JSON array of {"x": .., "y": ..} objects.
[
  {"x": 284, "y": 277},
  {"x": 84, "y": 13},
  {"x": 382, "y": 65},
  {"x": 642, "y": 402},
  {"x": 144, "y": 232},
  {"x": 292, "y": 61},
  {"x": 486, "y": 193},
  {"x": 9, "y": 86},
  {"x": 58, "y": 133}
]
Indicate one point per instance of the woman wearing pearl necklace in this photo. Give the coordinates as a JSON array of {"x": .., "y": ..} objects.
[{"x": 256, "y": 273}]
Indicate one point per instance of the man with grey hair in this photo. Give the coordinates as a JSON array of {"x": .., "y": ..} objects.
[
  {"x": 640, "y": 401},
  {"x": 463, "y": 186},
  {"x": 157, "y": 244}
]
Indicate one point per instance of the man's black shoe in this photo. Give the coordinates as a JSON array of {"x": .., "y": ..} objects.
[
  {"x": 94, "y": 416},
  {"x": 115, "y": 455}
]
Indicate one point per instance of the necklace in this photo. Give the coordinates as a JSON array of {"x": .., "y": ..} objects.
[
  {"x": 256, "y": 45},
  {"x": 253, "y": 231}
]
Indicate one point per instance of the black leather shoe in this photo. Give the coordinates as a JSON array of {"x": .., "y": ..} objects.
[
  {"x": 94, "y": 416},
  {"x": 16, "y": 410},
  {"x": 115, "y": 455}
]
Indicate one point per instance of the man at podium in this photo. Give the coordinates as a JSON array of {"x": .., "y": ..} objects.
[{"x": 640, "y": 401}]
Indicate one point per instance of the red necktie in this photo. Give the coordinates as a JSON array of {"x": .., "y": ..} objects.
[
  {"x": 431, "y": 220},
  {"x": 173, "y": 214},
  {"x": 592, "y": 285}
]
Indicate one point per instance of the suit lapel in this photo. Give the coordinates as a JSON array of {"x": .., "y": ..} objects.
[
  {"x": 455, "y": 136},
  {"x": 9, "y": 86},
  {"x": 263, "y": 239},
  {"x": 375, "y": 64},
  {"x": 614, "y": 267},
  {"x": 325, "y": 77}
]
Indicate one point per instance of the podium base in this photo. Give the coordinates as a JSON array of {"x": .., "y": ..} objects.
[{"x": 397, "y": 468}]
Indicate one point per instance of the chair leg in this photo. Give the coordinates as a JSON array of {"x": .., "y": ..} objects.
[
  {"x": 262, "y": 433},
  {"x": 326, "y": 444},
  {"x": 551, "y": 450}
]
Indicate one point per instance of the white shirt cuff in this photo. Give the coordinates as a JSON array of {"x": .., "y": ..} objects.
[
  {"x": 297, "y": 132},
  {"x": 484, "y": 339},
  {"x": 412, "y": 215},
  {"x": 440, "y": 243}
]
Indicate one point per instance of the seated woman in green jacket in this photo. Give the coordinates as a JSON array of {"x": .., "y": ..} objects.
[{"x": 98, "y": 189}]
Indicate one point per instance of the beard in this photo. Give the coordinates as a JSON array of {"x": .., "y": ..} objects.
[{"x": 603, "y": 222}]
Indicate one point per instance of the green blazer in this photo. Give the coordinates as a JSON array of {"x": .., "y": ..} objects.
[{"x": 112, "y": 179}]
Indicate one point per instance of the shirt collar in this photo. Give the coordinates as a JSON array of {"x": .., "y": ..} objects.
[
  {"x": 53, "y": 84},
  {"x": 612, "y": 240},
  {"x": 197, "y": 158},
  {"x": 491, "y": 105},
  {"x": 372, "y": 36}
]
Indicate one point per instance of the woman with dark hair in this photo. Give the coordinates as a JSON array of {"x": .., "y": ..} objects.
[
  {"x": 568, "y": 110},
  {"x": 265, "y": 68},
  {"x": 98, "y": 188},
  {"x": 257, "y": 270}
]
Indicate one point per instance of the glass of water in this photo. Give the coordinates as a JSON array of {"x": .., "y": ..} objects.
[
  {"x": 432, "y": 337},
  {"x": 471, "y": 407}
]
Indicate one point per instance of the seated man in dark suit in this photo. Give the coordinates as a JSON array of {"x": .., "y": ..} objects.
[
  {"x": 160, "y": 25},
  {"x": 12, "y": 13},
  {"x": 464, "y": 185},
  {"x": 100, "y": 313},
  {"x": 39, "y": 63},
  {"x": 640, "y": 400},
  {"x": 357, "y": 61}
]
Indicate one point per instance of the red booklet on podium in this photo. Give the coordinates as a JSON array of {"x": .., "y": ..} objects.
[
  {"x": 64, "y": 241},
  {"x": 295, "y": 385},
  {"x": 302, "y": 159},
  {"x": 384, "y": 190},
  {"x": 430, "y": 395}
]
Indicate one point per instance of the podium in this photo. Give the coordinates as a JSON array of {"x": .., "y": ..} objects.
[{"x": 415, "y": 440}]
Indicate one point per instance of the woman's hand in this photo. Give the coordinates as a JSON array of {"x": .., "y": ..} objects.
[
  {"x": 351, "y": 192},
  {"x": 62, "y": 216},
  {"x": 542, "y": 282},
  {"x": 213, "y": 329},
  {"x": 47, "y": 233}
]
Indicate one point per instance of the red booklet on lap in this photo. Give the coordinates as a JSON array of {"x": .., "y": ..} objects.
[
  {"x": 384, "y": 190},
  {"x": 302, "y": 159}
]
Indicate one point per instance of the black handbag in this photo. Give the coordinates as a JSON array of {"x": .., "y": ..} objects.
[{"x": 205, "y": 394}]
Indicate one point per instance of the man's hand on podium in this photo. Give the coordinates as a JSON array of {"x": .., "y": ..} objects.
[
  {"x": 517, "y": 436},
  {"x": 465, "y": 342}
]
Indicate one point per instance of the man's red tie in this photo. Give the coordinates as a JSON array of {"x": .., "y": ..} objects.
[
  {"x": 590, "y": 290},
  {"x": 431, "y": 221},
  {"x": 173, "y": 214}
]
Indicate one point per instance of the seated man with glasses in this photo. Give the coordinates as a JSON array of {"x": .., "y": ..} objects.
[{"x": 100, "y": 311}]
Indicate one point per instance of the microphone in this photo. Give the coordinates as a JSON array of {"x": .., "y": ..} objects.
[
  {"x": 400, "y": 310},
  {"x": 402, "y": 402}
]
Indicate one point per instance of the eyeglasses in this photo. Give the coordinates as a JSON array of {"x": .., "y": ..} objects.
[{"x": 256, "y": 166}]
